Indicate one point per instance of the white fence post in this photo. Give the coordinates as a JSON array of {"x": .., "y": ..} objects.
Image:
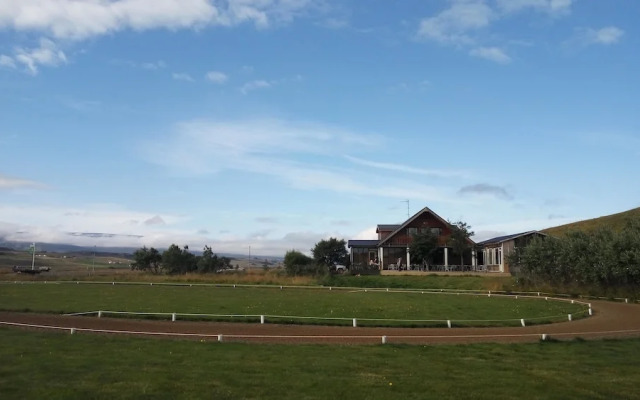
[
  {"x": 590, "y": 311},
  {"x": 262, "y": 319},
  {"x": 173, "y": 317},
  {"x": 569, "y": 317},
  {"x": 448, "y": 323},
  {"x": 544, "y": 336},
  {"x": 384, "y": 340},
  {"x": 355, "y": 323},
  {"x": 99, "y": 314},
  {"x": 522, "y": 322},
  {"x": 73, "y": 330},
  {"x": 219, "y": 338}
]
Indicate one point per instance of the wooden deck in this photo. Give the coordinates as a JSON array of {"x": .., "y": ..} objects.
[{"x": 450, "y": 273}]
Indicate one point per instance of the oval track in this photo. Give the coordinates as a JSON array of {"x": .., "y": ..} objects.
[{"x": 609, "y": 320}]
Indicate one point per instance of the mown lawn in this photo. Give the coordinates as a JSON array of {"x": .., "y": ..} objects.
[
  {"x": 459, "y": 282},
  {"x": 310, "y": 302},
  {"x": 37, "y": 365}
]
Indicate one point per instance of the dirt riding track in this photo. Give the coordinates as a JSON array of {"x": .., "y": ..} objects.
[{"x": 610, "y": 320}]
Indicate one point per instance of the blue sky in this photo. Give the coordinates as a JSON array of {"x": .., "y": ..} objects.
[{"x": 276, "y": 123}]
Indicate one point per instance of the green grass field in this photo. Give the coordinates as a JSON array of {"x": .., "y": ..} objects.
[
  {"x": 464, "y": 282},
  {"x": 39, "y": 365},
  {"x": 318, "y": 302}
]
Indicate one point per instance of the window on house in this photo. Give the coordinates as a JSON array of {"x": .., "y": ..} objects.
[
  {"x": 412, "y": 231},
  {"x": 436, "y": 231}
]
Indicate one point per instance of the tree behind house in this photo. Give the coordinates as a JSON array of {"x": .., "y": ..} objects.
[
  {"x": 459, "y": 239},
  {"x": 330, "y": 252},
  {"x": 423, "y": 248}
]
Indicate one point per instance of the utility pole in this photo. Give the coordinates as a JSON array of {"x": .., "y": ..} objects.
[
  {"x": 408, "y": 213},
  {"x": 33, "y": 256}
]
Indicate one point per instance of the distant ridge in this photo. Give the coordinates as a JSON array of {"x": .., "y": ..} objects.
[{"x": 613, "y": 221}]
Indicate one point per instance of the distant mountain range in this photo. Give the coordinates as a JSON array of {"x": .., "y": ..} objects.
[
  {"x": 122, "y": 251},
  {"x": 613, "y": 221}
]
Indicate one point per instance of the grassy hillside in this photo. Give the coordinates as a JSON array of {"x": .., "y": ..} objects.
[{"x": 614, "y": 221}]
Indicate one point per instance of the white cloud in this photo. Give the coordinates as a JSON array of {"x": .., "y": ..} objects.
[
  {"x": 553, "y": 7},
  {"x": 606, "y": 36},
  {"x": 6, "y": 61},
  {"x": 111, "y": 225},
  {"x": 182, "y": 77},
  {"x": 81, "y": 19},
  {"x": 216, "y": 77},
  {"x": 453, "y": 24},
  {"x": 56, "y": 224},
  {"x": 7, "y": 183},
  {"x": 492, "y": 54},
  {"x": 47, "y": 54},
  {"x": 254, "y": 85}
]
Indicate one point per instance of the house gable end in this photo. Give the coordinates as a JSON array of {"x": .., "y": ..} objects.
[{"x": 424, "y": 219}]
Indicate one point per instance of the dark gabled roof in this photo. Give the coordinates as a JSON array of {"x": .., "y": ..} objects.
[
  {"x": 501, "y": 239},
  {"x": 407, "y": 222},
  {"x": 362, "y": 243},
  {"x": 386, "y": 227}
]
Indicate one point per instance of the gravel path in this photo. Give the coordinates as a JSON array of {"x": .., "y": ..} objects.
[{"x": 610, "y": 320}]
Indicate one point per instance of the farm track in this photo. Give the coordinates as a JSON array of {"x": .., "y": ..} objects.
[{"x": 610, "y": 320}]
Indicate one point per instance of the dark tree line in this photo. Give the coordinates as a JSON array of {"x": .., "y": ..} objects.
[
  {"x": 606, "y": 260},
  {"x": 176, "y": 260}
]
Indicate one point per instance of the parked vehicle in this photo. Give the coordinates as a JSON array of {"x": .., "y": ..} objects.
[{"x": 340, "y": 268}]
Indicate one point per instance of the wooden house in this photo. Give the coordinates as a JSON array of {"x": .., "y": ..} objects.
[
  {"x": 495, "y": 252},
  {"x": 392, "y": 248}
]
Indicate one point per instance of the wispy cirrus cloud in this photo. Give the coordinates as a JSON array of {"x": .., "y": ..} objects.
[
  {"x": 553, "y": 7},
  {"x": 280, "y": 149},
  {"x": 181, "y": 76},
  {"x": 8, "y": 183},
  {"x": 256, "y": 85},
  {"x": 408, "y": 169},
  {"x": 468, "y": 23},
  {"x": 494, "y": 54},
  {"x": 452, "y": 26},
  {"x": 604, "y": 36}
]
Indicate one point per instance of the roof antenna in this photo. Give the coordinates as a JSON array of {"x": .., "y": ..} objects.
[{"x": 406, "y": 201}]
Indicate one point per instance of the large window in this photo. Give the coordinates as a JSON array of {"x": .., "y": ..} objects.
[{"x": 412, "y": 231}]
